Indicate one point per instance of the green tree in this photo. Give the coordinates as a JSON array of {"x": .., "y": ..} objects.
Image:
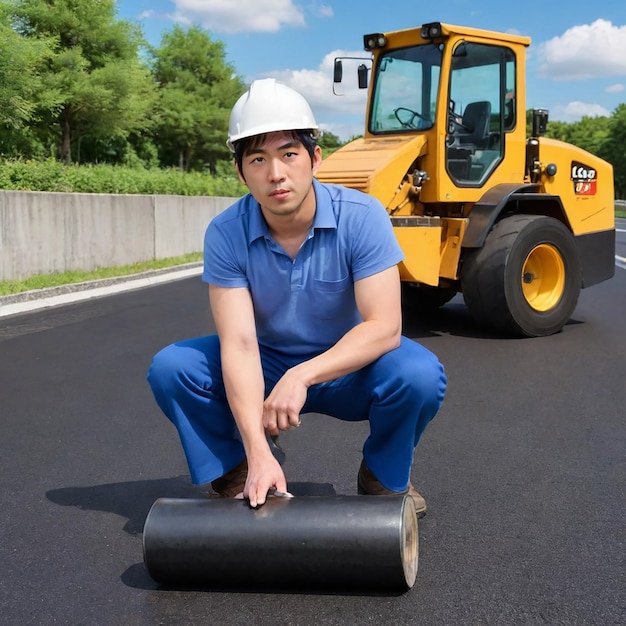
[
  {"x": 613, "y": 149},
  {"x": 559, "y": 130},
  {"x": 197, "y": 90},
  {"x": 104, "y": 92},
  {"x": 329, "y": 143},
  {"x": 21, "y": 89},
  {"x": 589, "y": 133}
]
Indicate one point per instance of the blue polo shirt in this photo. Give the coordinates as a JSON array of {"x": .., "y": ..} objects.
[{"x": 302, "y": 307}]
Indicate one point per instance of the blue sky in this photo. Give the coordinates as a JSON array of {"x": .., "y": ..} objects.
[{"x": 576, "y": 62}]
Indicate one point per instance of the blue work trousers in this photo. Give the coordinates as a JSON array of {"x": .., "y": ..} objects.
[{"x": 399, "y": 394}]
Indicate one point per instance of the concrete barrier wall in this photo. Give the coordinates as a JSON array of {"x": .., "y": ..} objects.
[{"x": 41, "y": 233}]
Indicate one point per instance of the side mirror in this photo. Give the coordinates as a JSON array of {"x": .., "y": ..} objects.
[
  {"x": 338, "y": 72},
  {"x": 362, "y": 76}
]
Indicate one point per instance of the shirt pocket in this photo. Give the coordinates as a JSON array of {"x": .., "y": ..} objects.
[{"x": 333, "y": 298}]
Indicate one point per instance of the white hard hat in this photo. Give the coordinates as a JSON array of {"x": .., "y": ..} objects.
[{"x": 266, "y": 107}]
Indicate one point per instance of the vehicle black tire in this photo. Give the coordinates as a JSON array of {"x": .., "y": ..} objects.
[
  {"x": 423, "y": 299},
  {"x": 525, "y": 279}
]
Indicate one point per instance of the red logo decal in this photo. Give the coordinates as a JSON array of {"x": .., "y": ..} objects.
[{"x": 585, "y": 179}]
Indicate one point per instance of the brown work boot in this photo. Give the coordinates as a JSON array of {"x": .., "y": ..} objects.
[
  {"x": 232, "y": 483},
  {"x": 368, "y": 484}
]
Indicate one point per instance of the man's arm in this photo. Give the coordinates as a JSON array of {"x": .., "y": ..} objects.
[
  {"x": 243, "y": 379},
  {"x": 378, "y": 301}
]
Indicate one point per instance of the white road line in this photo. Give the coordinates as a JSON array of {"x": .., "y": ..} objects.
[{"x": 620, "y": 261}]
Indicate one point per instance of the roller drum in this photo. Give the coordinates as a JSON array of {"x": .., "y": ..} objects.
[{"x": 332, "y": 542}]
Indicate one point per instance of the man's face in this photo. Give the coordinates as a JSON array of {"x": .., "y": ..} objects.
[{"x": 279, "y": 173}]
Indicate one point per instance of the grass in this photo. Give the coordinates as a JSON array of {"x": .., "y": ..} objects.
[{"x": 43, "y": 281}]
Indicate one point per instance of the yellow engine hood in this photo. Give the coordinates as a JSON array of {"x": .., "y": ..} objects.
[{"x": 375, "y": 165}]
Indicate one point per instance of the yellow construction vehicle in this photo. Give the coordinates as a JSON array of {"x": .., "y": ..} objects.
[{"x": 518, "y": 225}]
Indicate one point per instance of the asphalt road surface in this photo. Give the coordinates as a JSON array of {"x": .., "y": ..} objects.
[{"x": 524, "y": 470}]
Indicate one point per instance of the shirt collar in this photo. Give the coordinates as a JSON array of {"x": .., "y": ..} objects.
[{"x": 324, "y": 214}]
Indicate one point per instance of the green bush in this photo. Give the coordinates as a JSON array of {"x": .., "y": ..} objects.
[{"x": 51, "y": 175}]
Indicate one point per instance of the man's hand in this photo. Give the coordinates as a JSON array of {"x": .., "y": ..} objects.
[
  {"x": 281, "y": 409},
  {"x": 263, "y": 474}
]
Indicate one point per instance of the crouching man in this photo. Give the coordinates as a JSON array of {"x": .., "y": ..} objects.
[{"x": 305, "y": 294}]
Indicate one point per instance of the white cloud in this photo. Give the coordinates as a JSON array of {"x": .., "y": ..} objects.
[
  {"x": 178, "y": 18},
  {"x": 616, "y": 88},
  {"x": 323, "y": 10},
  {"x": 342, "y": 115},
  {"x": 576, "y": 110},
  {"x": 583, "y": 52},
  {"x": 227, "y": 16}
]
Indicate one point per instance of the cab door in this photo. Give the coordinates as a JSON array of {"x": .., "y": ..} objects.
[{"x": 481, "y": 111}]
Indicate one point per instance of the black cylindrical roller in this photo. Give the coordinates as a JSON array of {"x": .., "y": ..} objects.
[{"x": 336, "y": 542}]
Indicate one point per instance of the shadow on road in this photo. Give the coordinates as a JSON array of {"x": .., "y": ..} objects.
[
  {"x": 452, "y": 319},
  {"x": 133, "y": 500}
]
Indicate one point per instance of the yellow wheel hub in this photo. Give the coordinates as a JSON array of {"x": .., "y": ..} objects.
[{"x": 543, "y": 277}]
